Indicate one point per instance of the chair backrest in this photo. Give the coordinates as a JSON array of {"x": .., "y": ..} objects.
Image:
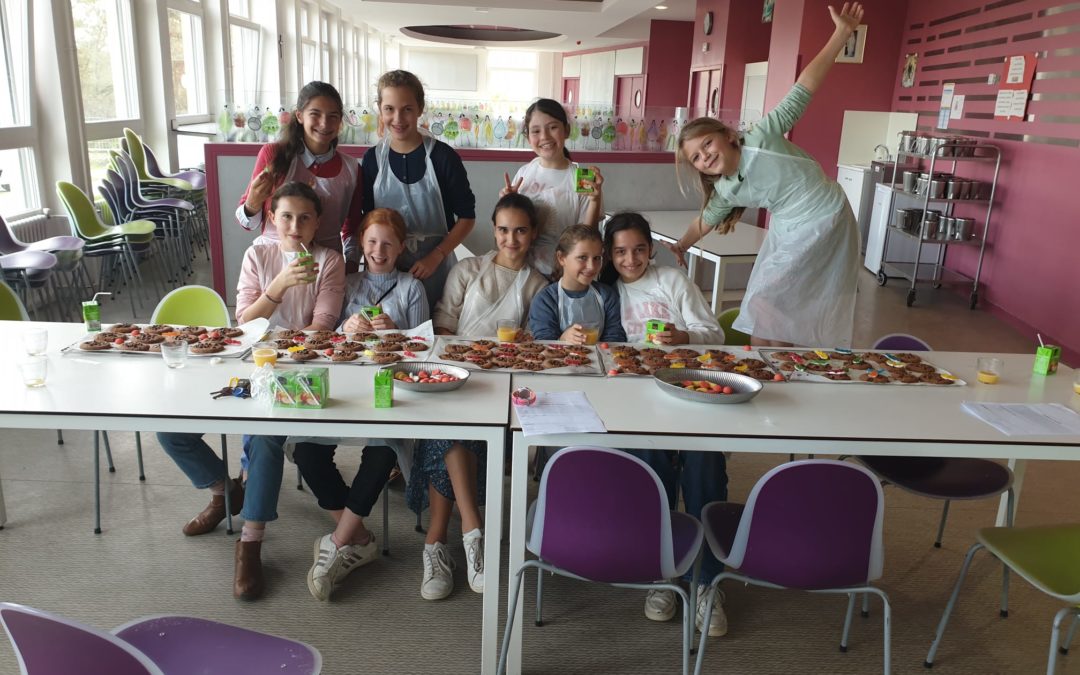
[
  {"x": 135, "y": 151},
  {"x": 11, "y": 307},
  {"x": 84, "y": 219},
  {"x": 731, "y": 336},
  {"x": 902, "y": 341},
  {"x": 190, "y": 306},
  {"x": 603, "y": 515},
  {"x": 185, "y": 644},
  {"x": 9, "y": 243},
  {"x": 46, "y": 644},
  {"x": 812, "y": 524}
]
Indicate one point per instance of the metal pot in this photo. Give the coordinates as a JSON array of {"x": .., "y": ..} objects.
[
  {"x": 937, "y": 188},
  {"x": 932, "y": 227},
  {"x": 907, "y": 141},
  {"x": 954, "y": 188},
  {"x": 975, "y": 188},
  {"x": 945, "y": 226},
  {"x": 911, "y": 179},
  {"x": 965, "y": 228},
  {"x": 932, "y": 221}
]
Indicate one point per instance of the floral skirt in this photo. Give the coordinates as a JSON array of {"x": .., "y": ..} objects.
[{"x": 429, "y": 468}]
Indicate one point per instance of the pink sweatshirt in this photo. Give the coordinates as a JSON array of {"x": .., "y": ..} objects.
[{"x": 317, "y": 304}]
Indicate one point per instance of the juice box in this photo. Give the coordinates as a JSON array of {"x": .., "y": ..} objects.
[
  {"x": 302, "y": 388},
  {"x": 1046, "y": 359},
  {"x": 581, "y": 176},
  {"x": 652, "y": 327},
  {"x": 384, "y": 389},
  {"x": 371, "y": 311}
]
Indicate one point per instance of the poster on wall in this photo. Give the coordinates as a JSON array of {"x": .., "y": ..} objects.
[
  {"x": 945, "y": 109},
  {"x": 767, "y": 11},
  {"x": 1016, "y": 78},
  {"x": 911, "y": 63},
  {"x": 854, "y": 47}
]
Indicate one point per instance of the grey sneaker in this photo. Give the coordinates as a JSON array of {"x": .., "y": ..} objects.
[
  {"x": 660, "y": 604},
  {"x": 474, "y": 558},
  {"x": 333, "y": 564},
  {"x": 718, "y": 620},
  {"x": 438, "y": 573}
]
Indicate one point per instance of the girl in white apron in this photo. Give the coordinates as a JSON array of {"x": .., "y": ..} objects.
[
  {"x": 577, "y": 308},
  {"x": 307, "y": 153},
  {"x": 430, "y": 245},
  {"x": 550, "y": 181},
  {"x": 802, "y": 288},
  {"x": 498, "y": 285}
]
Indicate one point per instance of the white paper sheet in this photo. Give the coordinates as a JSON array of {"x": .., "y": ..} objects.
[
  {"x": 957, "y": 111},
  {"x": 1026, "y": 419},
  {"x": 1019, "y": 103},
  {"x": 564, "y": 412},
  {"x": 1003, "y": 103},
  {"x": 1016, "y": 70}
]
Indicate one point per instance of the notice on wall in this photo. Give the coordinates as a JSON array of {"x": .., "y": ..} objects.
[
  {"x": 1014, "y": 69},
  {"x": 1016, "y": 79},
  {"x": 945, "y": 107},
  {"x": 1003, "y": 104},
  {"x": 957, "y": 110}
]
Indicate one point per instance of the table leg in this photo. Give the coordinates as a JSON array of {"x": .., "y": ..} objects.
[
  {"x": 493, "y": 514},
  {"x": 519, "y": 485},
  {"x": 1019, "y": 468},
  {"x": 3, "y": 511},
  {"x": 719, "y": 270}
]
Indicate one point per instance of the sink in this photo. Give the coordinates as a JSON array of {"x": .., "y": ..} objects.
[{"x": 882, "y": 171}]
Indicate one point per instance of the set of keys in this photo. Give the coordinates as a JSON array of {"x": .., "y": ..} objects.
[{"x": 236, "y": 387}]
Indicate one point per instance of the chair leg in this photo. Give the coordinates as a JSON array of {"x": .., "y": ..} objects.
[
  {"x": 847, "y": 619},
  {"x": 228, "y": 486},
  {"x": 419, "y": 527},
  {"x": 1004, "y": 611},
  {"x": 704, "y": 634},
  {"x": 886, "y": 615},
  {"x": 138, "y": 454},
  {"x": 941, "y": 525},
  {"x": 59, "y": 437},
  {"x": 865, "y": 613},
  {"x": 539, "y": 597},
  {"x": 97, "y": 484},
  {"x": 1055, "y": 633},
  {"x": 108, "y": 452},
  {"x": 515, "y": 590},
  {"x": 950, "y": 605},
  {"x": 386, "y": 519},
  {"x": 299, "y": 479},
  {"x": 1064, "y": 649}
]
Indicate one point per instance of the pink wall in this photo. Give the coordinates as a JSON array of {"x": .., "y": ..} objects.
[
  {"x": 747, "y": 42},
  {"x": 668, "y": 63},
  {"x": 1033, "y": 250},
  {"x": 716, "y": 40},
  {"x": 800, "y": 29}
]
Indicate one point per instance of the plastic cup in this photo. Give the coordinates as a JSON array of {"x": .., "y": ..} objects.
[
  {"x": 592, "y": 332},
  {"x": 264, "y": 353},
  {"x": 989, "y": 369},
  {"x": 33, "y": 371},
  {"x": 36, "y": 341},
  {"x": 174, "y": 353},
  {"x": 507, "y": 330},
  {"x": 1076, "y": 383}
]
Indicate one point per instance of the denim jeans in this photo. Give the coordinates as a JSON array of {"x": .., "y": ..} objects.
[
  {"x": 204, "y": 468},
  {"x": 703, "y": 478}
]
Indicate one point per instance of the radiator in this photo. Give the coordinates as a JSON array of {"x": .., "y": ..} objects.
[{"x": 39, "y": 226}]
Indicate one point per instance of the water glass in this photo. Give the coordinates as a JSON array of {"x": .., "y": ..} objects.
[
  {"x": 33, "y": 371},
  {"x": 989, "y": 369},
  {"x": 174, "y": 353},
  {"x": 36, "y": 341}
]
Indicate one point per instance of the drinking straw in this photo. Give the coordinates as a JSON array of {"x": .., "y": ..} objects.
[{"x": 1041, "y": 343}]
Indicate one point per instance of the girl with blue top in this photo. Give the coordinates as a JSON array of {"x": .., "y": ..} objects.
[
  {"x": 572, "y": 308},
  {"x": 404, "y": 305},
  {"x": 802, "y": 288}
]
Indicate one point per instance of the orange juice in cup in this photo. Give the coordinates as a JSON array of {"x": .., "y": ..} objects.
[
  {"x": 592, "y": 332},
  {"x": 264, "y": 353},
  {"x": 989, "y": 370},
  {"x": 507, "y": 330}
]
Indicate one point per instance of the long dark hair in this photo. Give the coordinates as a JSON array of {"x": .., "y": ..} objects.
[
  {"x": 694, "y": 129},
  {"x": 292, "y": 136},
  {"x": 622, "y": 222},
  {"x": 551, "y": 108},
  {"x": 513, "y": 200}
]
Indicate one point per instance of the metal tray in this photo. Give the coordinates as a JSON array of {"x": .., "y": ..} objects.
[
  {"x": 745, "y": 386},
  {"x": 415, "y": 367}
]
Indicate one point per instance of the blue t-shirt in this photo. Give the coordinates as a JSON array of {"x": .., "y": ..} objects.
[{"x": 544, "y": 323}]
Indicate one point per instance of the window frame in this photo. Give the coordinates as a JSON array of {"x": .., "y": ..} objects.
[
  {"x": 200, "y": 66},
  {"x": 24, "y": 137}
]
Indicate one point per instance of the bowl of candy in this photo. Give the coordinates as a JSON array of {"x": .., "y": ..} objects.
[
  {"x": 706, "y": 386},
  {"x": 427, "y": 377}
]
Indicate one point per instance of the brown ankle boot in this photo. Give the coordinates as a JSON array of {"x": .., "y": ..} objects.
[
  {"x": 248, "y": 578},
  {"x": 214, "y": 513}
]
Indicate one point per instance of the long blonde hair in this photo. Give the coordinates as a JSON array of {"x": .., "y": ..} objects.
[{"x": 704, "y": 185}]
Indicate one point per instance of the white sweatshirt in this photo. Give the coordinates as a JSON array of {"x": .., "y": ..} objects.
[{"x": 666, "y": 293}]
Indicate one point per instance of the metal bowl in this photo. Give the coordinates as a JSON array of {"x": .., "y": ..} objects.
[
  {"x": 745, "y": 386},
  {"x": 415, "y": 367}
]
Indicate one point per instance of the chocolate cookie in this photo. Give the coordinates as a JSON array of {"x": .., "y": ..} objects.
[
  {"x": 133, "y": 346},
  {"x": 157, "y": 328},
  {"x": 94, "y": 346},
  {"x": 504, "y": 361},
  {"x": 206, "y": 347},
  {"x": 317, "y": 344},
  {"x": 451, "y": 356},
  {"x": 286, "y": 334},
  {"x": 303, "y": 355},
  {"x": 416, "y": 346},
  {"x": 344, "y": 355},
  {"x": 553, "y": 363},
  {"x": 108, "y": 336},
  {"x": 386, "y": 357},
  {"x": 122, "y": 328},
  {"x": 395, "y": 337},
  {"x": 458, "y": 348}
]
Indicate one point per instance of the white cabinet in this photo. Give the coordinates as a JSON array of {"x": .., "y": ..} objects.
[
  {"x": 901, "y": 249},
  {"x": 858, "y": 185}
]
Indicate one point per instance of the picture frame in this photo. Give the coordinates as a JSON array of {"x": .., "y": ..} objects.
[
  {"x": 855, "y": 46},
  {"x": 911, "y": 65},
  {"x": 767, "y": 11}
]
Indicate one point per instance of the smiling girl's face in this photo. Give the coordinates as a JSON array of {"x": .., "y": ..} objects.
[
  {"x": 381, "y": 248},
  {"x": 514, "y": 234},
  {"x": 581, "y": 265},
  {"x": 630, "y": 253},
  {"x": 547, "y": 137},
  {"x": 321, "y": 119},
  {"x": 399, "y": 112},
  {"x": 713, "y": 154}
]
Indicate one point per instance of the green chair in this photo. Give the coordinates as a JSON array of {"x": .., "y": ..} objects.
[
  {"x": 135, "y": 149},
  {"x": 193, "y": 306},
  {"x": 1048, "y": 557},
  {"x": 731, "y": 336},
  {"x": 11, "y": 307}
]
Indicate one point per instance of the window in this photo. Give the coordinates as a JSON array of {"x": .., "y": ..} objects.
[
  {"x": 244, "y": 43},
  {"x": 308, "y": 47},
  {"x": 324, "y": 45},
  {"x": 512, "y": 75},
  {"x": 375, "y": 65},
  {"x": 18, "y": 182},
  {"x": 106, "y": 55},
  {"x": 187, "y": 60},
  {"x": 98, "y": 153},
  {"x": 14, "y": 69},
  {"x": 240, "y": 8}
]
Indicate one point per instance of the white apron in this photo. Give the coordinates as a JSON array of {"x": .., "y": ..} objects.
[
  {"x": 420, "y": 204},
  {"x": 640, "y": 302},
  {"x": 297, "y": 302},
  {"x": 480, "y": 318},
  {"x": 589, "y": 308},
  {"x": 557, "y": 208},
  {"x": 802, "y": 287}
]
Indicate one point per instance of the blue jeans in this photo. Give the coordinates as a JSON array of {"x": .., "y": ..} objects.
[
  {"x": 204, "y": 468},
  {"x": 703, "y": 478}
]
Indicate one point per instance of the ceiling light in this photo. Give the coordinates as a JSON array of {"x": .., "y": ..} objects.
[
  {"x": 661, "y": 6},
  {"x": 482, "y": 10}
]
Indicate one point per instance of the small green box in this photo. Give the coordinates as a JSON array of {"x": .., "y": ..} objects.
[
  {"x": 384, "y": 389},
  {"x": 302, "y": 388},
  {"x": 581, "y": 176},
  {"x": 1046, "y": 359},
  {"x": 371, "y": 311},
  {"x": 654, "y": 326}
]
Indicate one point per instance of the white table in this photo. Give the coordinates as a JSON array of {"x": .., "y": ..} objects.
[
  {"x": 134, "y": 392},
  {"x": 804, "y": 418},
  {"x": 739, "y": 246}
]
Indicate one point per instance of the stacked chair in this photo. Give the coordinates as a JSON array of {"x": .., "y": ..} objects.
[{"x": 68, "y": 252}]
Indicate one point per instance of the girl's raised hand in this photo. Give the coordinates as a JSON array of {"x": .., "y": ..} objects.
[
  {"x": 259, "y": 191},
  {"x": 596, "y": 184},
  {"x": 849, "y": 17},
  {"x": 680, "y": 255},
  {"x": 296, "y": 274},
  {"x": 508, "y": 188}
]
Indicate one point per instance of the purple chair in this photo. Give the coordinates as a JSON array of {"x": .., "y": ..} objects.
[
  {"x": 901, "y": 342},
  {"x": 153, "y": 645},
  {"x": 813, "y": 525},
  {"x": 602, "y": 515},
  {"x": 29, "y": 270},
  {"x": 69, "y": 259}
]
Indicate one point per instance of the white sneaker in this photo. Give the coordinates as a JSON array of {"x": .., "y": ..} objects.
[
  {"x": 333, "y": 564},
  {"x": 438, "y": 577},
  {"x": 718, "y": 620},
  {"x": 660, "y": 604},
  {"x": 474, "y": 558}
]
